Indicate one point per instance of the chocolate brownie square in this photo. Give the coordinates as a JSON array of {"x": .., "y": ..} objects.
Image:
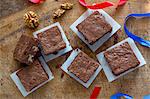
[
  {"x": 83, "y": 67},
  {"x": 121, "y": 58},
  {"x": 51, "y": 40},
  {"x": 94, "y": 27},
  {"x": 26, "y": 49},
  {"x": 32, "y": 76}
]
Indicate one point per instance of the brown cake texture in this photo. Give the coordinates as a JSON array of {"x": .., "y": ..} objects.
[
  {"x": 83, "y": 67},
  {"x": 94, "y": 27},
  {"x": 32, "y": 76},
  {"x": 121, "y": 58},
  {"x": 51, "y": 40},
  {"x": 26, "y": 49}
]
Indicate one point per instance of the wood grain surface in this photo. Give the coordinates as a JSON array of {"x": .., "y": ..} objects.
[{"x": 136, "y": 83}]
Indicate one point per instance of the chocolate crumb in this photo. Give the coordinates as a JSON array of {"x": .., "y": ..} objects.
[
  {"x": 58, "y": 66},
  {"x": 62, "y": 75}
]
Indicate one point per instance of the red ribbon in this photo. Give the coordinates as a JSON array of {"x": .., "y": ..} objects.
[
  {"x": 95, "y": 93},
  {"x": 102, "y": 5}
]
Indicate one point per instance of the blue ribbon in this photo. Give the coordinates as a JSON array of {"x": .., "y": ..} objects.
[
  {"x": 119, "y": 95},
  {"x": 133, "y": 36},
  {"x": 146, "y": 97}
]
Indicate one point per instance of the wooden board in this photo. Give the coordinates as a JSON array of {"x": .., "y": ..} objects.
[{"x": 136, "y": 83}]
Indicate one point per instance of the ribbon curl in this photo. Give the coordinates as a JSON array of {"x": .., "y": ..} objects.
[
  {"x": 36, "y": 1},
  {"x": 146, "y": 97},
  {"x": 122, "y": 2},
  {"x": 101, "y": 5},
  {"x": 119, "y": 95},
  {"x": 133, "y": 36}
]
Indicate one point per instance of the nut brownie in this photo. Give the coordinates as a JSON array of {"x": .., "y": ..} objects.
[
  {"x": 94, "y": 27},
  {"x": 32, "y": 76},
  {"x": 121, "y": 58},
  {"x": 26, "y": 49},
  {"x": 83, "y": 67},
  {"x": 51, "y": 40}
]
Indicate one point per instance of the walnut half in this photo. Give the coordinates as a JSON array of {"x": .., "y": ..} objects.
[{"x": 31, "y": 19}]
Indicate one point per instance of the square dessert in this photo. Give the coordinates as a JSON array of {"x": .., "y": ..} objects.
[
  {"x": 26, "y": 49},
  {"x": 83, "y": 67},
  {"x": 94, "y": 27},
  {"x": 51, "y": 40},
  {"x": 121, "y": 58},
  {"x": 32, "y": 76}
]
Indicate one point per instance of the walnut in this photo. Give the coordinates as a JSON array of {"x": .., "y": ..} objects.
[
  {"x": 58, "y": 13},
  {"x": 30, "y": 58},
  {"x": 31, "y": 19},
  {"x": 66, "y": 6},
  {"x": 35, "y": 48}
]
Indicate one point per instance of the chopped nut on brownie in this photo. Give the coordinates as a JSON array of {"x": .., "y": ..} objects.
[{"x": 26, "y": 49}]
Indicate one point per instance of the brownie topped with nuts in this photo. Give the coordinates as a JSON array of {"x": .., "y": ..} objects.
[
  {"x": 94, "y": 27},
  {"x": 83, "y": 67},
  {"x": 32, "y": 76},
  {"x": 121, "y": 58},
  {"x": 26, "y": 49},
  {"x": 51, "y": 40}
]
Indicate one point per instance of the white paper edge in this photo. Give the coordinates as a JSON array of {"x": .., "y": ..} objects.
[
  {"x": 61, "y": 52},
  {"x": 110, "y": 76},
  {"x": 101, "y": 41},
  {"x": 18, "y": 83},
  {"x": 68, "y": 62}
]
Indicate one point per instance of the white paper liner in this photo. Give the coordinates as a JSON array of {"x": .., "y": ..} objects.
[
  {"x": 59, "y": 53},
  {"x": 68, "y": 62},
  {"x": 18, "y": 83},
  {"x": 97, "y": 44},
  {"x": 110, "y": 76}
]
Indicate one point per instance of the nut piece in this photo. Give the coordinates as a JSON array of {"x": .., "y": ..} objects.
[
  {"x": 67, "y": 6},
  {"x": 35, "y": 49},
  {"x": 58, "y": 13},
  {"x": 31, "y": 19},
  {"x": 30, "y": 58}
]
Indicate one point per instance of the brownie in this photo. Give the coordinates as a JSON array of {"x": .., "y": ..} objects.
[
  {"x": 94, "y": 27},
  {"x": 51, "y": 40},
  {"x": 83, "y": 67},
  {"x": 32, "y": 76},
  {"x": 121, "y": 58},
  {"x": 26, "y": 49}
]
